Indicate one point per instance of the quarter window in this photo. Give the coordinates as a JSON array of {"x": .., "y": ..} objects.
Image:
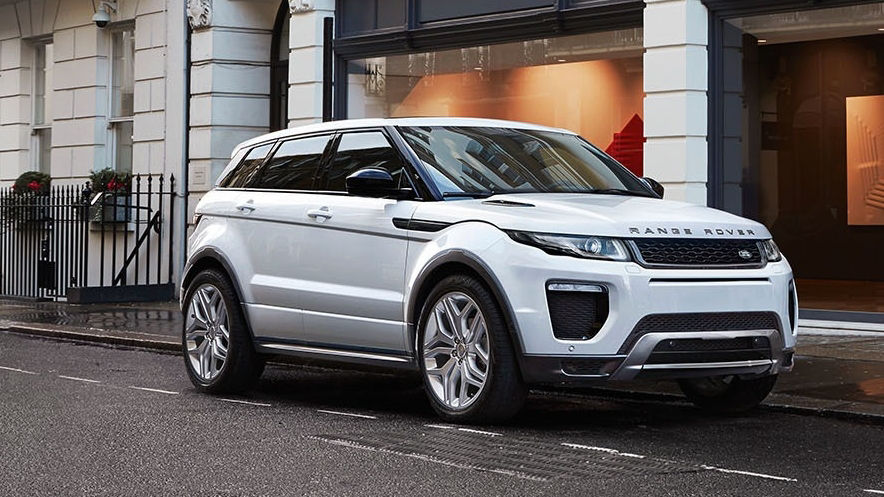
[
  {"x": 244, "y": 174},
  {"x": 362, "y": 150},
  {"x": 295, "y": 164}
]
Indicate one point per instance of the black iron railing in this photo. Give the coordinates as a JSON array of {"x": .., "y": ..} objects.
[{"x": 73, "y": 242}]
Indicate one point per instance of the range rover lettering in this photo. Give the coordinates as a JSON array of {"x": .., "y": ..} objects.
[{"x": 489, "y": 256}]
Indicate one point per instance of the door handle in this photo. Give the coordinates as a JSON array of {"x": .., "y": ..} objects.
[
  {"x": 320, "y": 214},
  {"x": 246, "y": 207}
]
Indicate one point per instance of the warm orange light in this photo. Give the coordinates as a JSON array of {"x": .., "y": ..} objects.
[{"x": 594, "y": 98}]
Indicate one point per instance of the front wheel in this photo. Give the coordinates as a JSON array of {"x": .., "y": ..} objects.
[
  {"x": 727, "y": 394},
  {"x": 217, "y": 346},
  {"x": 466, "y": 357}
]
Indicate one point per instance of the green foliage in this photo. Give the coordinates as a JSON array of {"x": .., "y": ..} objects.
[
  {"x": 32, "y": 182},
  {"x": 108, "y": 180}
]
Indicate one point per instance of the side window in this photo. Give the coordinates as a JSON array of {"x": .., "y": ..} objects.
[
  {"x": 244, "y": 174},
  {"x": 294, "y": 165},
  {"x": 360, "y": 150}
]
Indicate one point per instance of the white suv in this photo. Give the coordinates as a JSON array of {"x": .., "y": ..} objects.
[{"x": 487, "y": 255}]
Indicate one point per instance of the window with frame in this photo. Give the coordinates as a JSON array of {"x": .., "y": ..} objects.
[
  {"x": 41, "y": 121},
  {"x": 247, "y": 170},
  {"x": 122, "y": 97},
  {"x": 360, "y": 150},
  {"x": 295, "y": 164}
]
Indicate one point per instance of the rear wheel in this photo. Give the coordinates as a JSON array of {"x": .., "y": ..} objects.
[
  {"x": 218, "y": 351},
  {"x": 727, "y": 394},
  {"x": 468, "y": 363}
]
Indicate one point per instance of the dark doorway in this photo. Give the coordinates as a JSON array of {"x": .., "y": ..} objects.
[{"x": 279, "y": 70}]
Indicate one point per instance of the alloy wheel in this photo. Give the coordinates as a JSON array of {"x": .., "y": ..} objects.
[
  {"x": 207, "y": 333},
  {"x": 456, "y": 350}
]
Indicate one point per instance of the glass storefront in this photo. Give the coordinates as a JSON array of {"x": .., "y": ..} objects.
[
  {"x": 804, "y": 100},
  {"x": 589, "y": 83}
]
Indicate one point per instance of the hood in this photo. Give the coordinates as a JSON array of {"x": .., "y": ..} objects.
[{"x": 589, "y": 214}]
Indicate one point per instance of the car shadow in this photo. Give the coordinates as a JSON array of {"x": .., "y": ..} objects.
[{"x": 547, "y": 410}]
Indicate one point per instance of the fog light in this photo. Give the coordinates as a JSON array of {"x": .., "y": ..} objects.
[{"x": 575, "y": 287}]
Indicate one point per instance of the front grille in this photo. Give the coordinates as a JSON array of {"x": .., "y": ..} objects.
[
  {"x": 577, "y": 315},
  {"x": 701, "y": 321},
  {"x": 694, "y": 350},
  {"x": 699, "y": 253}
]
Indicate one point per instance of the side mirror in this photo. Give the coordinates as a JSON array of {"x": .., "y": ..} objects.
[
  {"x": 654, "y": 186},
  {"x": 377, "y": 183}
]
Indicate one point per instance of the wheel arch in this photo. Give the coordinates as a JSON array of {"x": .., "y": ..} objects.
[
  {"x": 458, "y": 262},
  {"x": 210, "y": 258}
]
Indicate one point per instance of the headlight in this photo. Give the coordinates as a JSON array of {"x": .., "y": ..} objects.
[
  {"x": 590, "y": 247},
  {"x": 770, "y": 250}
]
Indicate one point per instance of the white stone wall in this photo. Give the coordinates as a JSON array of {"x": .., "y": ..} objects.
[
  {"x": 80, "y": 89},
  {"x": 15, "y": 87},
  {"x": 675, "y": 82},
  {"x": 230, "y": 85},
  {"x": 306, "y": 63}
]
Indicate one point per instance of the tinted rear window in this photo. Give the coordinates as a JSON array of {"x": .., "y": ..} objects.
[{"x": 294, "y": 164}]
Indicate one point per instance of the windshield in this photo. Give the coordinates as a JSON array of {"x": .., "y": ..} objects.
[{"x": 476, "y": 161}]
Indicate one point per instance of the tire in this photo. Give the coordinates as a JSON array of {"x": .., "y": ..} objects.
[
  {"x": 727, "y": 394},
  {"x": 218, "y": 351},
  {"x": 453, "y": 354}
]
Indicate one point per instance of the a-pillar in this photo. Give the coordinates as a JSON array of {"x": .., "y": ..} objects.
[{"x": 675, "y": 83}]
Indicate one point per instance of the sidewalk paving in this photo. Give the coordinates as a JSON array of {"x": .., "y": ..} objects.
[{"x": 839, "y": 371}]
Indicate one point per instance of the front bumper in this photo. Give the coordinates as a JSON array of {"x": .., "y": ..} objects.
[
  {"x": 635, "y": 292},
  {"x": 635, "y": 365}
]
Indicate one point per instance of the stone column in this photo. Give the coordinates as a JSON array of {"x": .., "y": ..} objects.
[
  {"x": 675, "y": 83},
  {"x": 230, "y": 82},
  {"x": 305, "y": 59}
]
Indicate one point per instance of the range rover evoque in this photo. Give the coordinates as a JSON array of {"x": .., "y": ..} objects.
[{"x": 488, "y": 255}]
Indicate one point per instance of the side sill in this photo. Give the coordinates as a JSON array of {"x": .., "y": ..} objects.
[{"x": 338, "y": 355}]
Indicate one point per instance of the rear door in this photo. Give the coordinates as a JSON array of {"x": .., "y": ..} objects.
[
  {"x": 357, "y": 295},
  {"x": 275, "y": 227}
]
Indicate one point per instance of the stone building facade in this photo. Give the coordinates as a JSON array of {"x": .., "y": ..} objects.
[{"x": 703, "y": 95}]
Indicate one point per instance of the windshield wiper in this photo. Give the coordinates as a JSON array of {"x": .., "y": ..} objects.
[
  {"x": 468, "y": 194},
  {"x": 620, "y": 191}
]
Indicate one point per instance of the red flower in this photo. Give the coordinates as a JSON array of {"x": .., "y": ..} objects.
[
  {"x": 34, "y": 186},
  {"x": 115, "y": 185}
]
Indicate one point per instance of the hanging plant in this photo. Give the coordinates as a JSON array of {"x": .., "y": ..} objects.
[
  {"x": 32, "y": 182},
  {"x": 27, "y": 202},
  {"x": 108, "y": 180},
  {"x": 110, "y": 196}
]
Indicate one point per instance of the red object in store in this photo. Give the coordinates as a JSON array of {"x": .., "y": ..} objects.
[{"x": 628, "y": 145}]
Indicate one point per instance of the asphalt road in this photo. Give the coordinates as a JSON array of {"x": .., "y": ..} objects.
[{"x": 91, "y": 420}]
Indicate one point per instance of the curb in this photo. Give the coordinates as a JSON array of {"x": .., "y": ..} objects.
[
  {"x": 775, "y": 402},
  {"x": 99, "y": 337}
]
